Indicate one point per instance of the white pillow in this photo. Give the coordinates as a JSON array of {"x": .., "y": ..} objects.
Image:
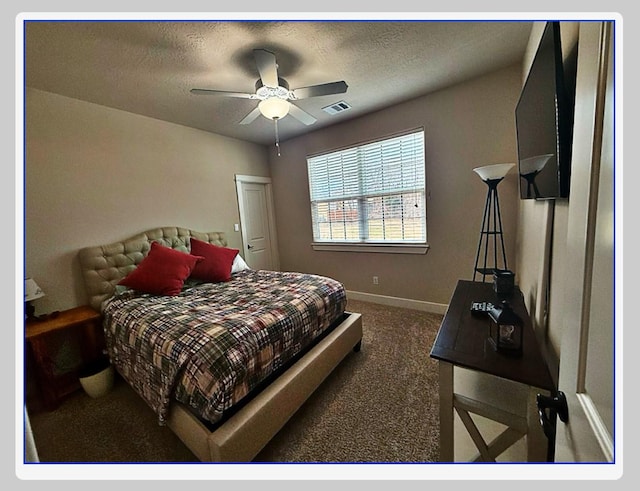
[{"x": 239, "y": 264}]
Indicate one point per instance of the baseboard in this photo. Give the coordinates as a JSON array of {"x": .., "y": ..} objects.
[{"x": 407, "y": 303}]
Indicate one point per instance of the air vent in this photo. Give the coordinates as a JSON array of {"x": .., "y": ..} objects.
[{"x": 336, "y": 108}]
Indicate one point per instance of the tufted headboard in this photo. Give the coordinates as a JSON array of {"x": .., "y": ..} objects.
[{"x": 104, "y": 266}]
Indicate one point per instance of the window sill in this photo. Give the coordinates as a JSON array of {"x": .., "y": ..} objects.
[{"x": 355, "y": 247}]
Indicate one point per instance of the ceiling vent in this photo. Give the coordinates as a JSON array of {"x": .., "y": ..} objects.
[{"x": 336, "y": 108}]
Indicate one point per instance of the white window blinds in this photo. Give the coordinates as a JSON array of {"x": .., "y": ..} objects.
[{"x": 374, "y": 193}]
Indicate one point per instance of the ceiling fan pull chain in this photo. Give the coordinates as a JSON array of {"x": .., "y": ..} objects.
[{"x": 275, "y": 120}]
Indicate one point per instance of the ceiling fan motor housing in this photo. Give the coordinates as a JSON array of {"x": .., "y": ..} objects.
[{"x": 281, "y": 91}]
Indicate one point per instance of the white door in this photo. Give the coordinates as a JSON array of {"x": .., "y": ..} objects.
[
  {"x": 586, "y": 374},
  {"x": 257, "y": 223}
]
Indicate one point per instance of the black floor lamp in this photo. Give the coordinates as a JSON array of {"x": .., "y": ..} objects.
[{"x": 491, "y": 238}]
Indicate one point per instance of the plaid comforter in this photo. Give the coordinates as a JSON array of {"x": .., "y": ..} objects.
[{"x": 209, "y": 346}]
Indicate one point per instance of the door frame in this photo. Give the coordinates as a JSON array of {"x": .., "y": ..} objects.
[
  {"x": 585, "y": 431},
  {"x": 266, "y": 181}
]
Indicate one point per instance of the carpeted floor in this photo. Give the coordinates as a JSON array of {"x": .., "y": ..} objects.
[{"x": 379, "y": 405}]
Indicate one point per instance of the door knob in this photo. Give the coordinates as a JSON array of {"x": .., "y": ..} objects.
[
  {"x": 249, "y": 246},
  {"x": 548, "y": 409}
]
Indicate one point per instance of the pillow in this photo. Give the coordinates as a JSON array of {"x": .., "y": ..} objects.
[
  {"x": 216, "y": 265},
  {"x": 162, "y": 271},
  {"x": 239, "y": 264}
]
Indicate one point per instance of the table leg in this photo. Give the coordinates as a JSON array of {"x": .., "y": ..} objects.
[
  {"x": 94, "y": 341},
  {"x": 445, "y": 382},
  {"x": 44, "y": 374},
  {"x": 537, "y": 443}
]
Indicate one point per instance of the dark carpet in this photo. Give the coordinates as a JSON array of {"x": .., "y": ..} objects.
[{"x": 379, "y": 405}]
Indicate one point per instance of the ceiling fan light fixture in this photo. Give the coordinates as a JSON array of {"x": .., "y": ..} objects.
[{"x": 274, "y": 108}]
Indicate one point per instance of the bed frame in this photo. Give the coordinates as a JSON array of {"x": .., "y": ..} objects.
[{"x": 241, "y": 437}]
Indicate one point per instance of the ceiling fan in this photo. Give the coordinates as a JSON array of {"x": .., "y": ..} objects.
[{"x": 274, "y": 94}]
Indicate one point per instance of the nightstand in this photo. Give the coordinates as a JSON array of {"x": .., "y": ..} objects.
[{"x": 81, "y": 321}]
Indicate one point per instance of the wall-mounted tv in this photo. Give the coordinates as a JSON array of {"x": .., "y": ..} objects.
[{"x": 544, "y": 123}]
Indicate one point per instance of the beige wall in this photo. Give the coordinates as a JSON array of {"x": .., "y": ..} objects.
[
  {"x": 469, "y": 125},
  {"x": 96, "y": 175}
]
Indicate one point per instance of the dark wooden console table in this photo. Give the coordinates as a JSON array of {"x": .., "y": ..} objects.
[{"x": 463, "y": 341}]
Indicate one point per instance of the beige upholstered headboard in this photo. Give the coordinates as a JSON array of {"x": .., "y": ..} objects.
[{"x": 104, "y": 266}]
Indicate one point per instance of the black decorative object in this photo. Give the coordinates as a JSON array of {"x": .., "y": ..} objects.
[
  {"x": 505, "y": 329},
  {"x": 503, "y": 282}
]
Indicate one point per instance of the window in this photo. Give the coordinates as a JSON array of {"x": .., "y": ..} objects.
[{"x": 372, "y": 195}]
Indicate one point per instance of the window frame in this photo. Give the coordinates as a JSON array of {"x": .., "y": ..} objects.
[{"x": 366, "y": 245}]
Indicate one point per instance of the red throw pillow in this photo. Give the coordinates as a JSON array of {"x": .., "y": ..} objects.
[
  {"x": 162, "y": 272},
  {"x": 217, "y": 262}
]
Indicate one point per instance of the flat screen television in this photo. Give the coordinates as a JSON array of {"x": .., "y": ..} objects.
[{"x": 544, "y": 123}]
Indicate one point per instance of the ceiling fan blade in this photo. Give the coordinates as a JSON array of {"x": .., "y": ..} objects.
[
  {"x": 300, "y": 115},
  {"x": 322, "y": 89},
  {"x": 225, "y": 93},
  {"x": 267, "y": 67},
  {"x": 251, "y": 116}
]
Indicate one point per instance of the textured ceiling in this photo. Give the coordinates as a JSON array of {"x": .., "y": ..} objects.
[{"x": 149, "y": 67}]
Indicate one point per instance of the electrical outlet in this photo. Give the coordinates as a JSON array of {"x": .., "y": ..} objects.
[{"x": 375, "y": 280}]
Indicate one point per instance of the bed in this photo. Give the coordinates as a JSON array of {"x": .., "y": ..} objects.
[{"x": 224, "y": 361}]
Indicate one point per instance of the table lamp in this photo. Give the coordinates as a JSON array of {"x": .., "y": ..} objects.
[{"x": 31, "y": 292}]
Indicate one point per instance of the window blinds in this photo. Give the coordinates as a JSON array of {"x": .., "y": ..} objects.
[{"x": 370, "y": 193}]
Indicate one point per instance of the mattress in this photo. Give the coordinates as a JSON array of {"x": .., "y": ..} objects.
[{"x": 211, "y": 346}]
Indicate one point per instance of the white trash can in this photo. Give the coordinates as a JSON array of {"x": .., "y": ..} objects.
[{"x": 97, "y": 377}]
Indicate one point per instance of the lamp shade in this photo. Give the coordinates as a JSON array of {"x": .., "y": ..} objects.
[
  {"x": 31, "y": 290},
  {"x": 274, "y": 108},
  {"x": 494, "y": 171}
]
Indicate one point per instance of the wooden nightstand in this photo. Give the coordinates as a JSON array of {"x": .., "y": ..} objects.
[{"x": 80, "y": 321}]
